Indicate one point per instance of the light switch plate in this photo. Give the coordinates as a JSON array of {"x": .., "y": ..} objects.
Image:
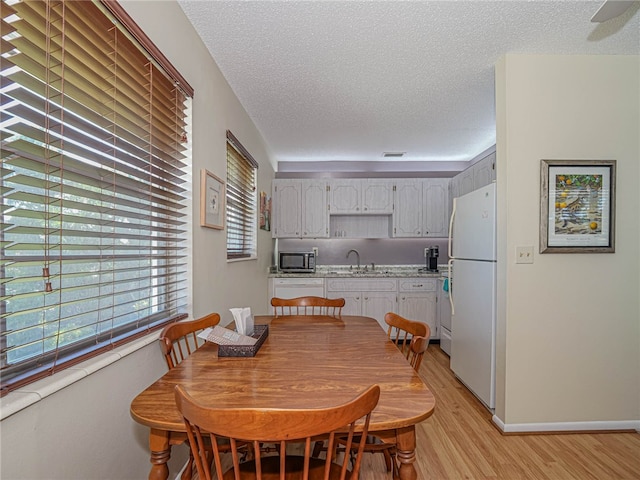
[
  {"x": 524, "y": 254},
  {"x": 315, "y": 251}
]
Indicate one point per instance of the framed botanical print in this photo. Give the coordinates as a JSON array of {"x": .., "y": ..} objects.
[{"x": 212, "y": 196}]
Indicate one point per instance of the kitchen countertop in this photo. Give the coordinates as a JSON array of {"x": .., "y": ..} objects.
[{"x": 380, "y": 271}]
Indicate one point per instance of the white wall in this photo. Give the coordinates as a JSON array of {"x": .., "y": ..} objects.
[
  {"x": 569, "y": 324},
  {"x": 84, "y": 431}
]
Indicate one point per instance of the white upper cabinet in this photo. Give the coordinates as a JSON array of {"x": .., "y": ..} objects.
[
  {"x": 436, "y": 207},
  {"x": 481, "y": 173},
  {"x": 300, "y": 209},
  {"x": 315, "y": 215},
  {"x": 484, "y": 171},
  {"x": 351, "y": 196},
  {"x": 377, "y": 196},
  {"x": 360, "y": 208},
  {"x": 345, "y": 196},
  {"x": 421, "y": 208},
  {"x": 407, "y": 216},
  {"x": 287, "y": 209},
  {"x": 466, "y": 183}
]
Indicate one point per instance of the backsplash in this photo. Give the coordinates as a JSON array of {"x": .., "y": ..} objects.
[{"x": 381, "y": 251}]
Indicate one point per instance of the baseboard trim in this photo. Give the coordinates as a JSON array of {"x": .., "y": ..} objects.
[{"x": 567, "y": 427}]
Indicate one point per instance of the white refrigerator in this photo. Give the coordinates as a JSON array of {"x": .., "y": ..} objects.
[{"x": 472, "y": 252}]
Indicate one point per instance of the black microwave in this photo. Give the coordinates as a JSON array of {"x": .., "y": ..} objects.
[{"x": 297, "y": 262}]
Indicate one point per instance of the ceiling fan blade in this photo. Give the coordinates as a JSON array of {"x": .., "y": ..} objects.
[{"x": 611, "y": 9}]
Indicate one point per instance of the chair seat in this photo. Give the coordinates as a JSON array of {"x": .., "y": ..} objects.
[{"x": 294, "y": 469}]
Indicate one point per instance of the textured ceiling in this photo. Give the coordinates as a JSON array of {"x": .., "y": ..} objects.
[{"x": 349, "y": 80}]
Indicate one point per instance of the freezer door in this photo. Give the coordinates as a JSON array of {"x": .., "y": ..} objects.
[
  {"x": 474, "y": 225},
  {"x": 473, "y": 327}
]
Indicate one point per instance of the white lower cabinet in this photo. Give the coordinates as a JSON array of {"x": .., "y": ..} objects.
[
  {"x": 377, "y": 305},
  {"x": 417, "y": 301},
  {"x": 364, "y": 296}
]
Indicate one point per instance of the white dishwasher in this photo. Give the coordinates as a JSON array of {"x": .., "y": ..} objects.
[{"x": 298, "y": 287}]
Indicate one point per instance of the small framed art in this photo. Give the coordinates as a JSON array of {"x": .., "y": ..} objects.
[{"x": 211, "y": 201}]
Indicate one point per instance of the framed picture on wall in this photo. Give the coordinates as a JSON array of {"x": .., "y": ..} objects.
[
  {"x": 211, "y": 201},
  {"x": 577, "y": 206}
]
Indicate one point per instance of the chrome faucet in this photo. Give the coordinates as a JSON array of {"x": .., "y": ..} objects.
[{"x": 357, "y": 256}]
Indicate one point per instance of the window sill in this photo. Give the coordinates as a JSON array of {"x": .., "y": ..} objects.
[
  {"x": 33, "y": 393},
  {"x": 233, "y": 260}
]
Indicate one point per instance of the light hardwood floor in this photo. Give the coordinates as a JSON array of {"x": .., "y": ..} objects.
[{"x": 459, "y": 441}]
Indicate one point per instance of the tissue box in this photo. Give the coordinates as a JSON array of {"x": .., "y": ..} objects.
[{"x": 261, "y": 332}]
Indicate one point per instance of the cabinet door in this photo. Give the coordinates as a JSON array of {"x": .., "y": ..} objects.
[
  {"x": 377, "y": 196},
  {"x": 315, "y": 215},
  {"x": 420, "y": 306},
  {"x": 345, "y": 196},
  {"x": 287, "y": 204},
  {"x": 482, "y": 172},
  {"x": 377, "y": 304},
  {"x": 466, "y": 182},
  {"x": 353, "y": 302},
  {"x": 436, "y": 213},
  {"x": 407, "y": 211}
]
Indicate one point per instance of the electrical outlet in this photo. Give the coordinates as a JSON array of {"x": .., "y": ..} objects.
[
  {"x": 315, "y": 251},
  {"x": 426, "y": 252},
  {"x": 524, "y": 254}
]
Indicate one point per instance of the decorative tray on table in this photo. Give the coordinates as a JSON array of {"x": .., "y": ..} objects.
[{"x": 260, "y": 332}]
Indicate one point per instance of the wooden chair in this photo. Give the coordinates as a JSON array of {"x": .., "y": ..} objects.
[
  {"x": 412, "y": 338},
  {"x": 307, "y": 306},
  {"x": 401, "y": 330},
  {"x": 278, "y": 425},
  {"x": 179, "y": 340}
]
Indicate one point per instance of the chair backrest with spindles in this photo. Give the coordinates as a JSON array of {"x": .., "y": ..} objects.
[
  {"x": 308, "y": 305},
  {"x": 179, "y": 340},
  {"x": 417, "y": 347},
  {"x": 276, "y": 425},
  {"x": 401, "y": 330}
]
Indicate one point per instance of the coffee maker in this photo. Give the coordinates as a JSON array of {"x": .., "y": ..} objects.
[{"x": 432, "y": 258}]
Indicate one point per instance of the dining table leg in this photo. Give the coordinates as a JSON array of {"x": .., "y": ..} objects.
[
  {"x": 160, "y": 454},
  {"x": 406, "y": 452}
]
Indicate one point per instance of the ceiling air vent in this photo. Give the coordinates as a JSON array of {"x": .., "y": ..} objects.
[{"x": 393, "y": 154}]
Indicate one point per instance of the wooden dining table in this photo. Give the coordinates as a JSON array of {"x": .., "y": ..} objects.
[{"x": 305, "y": 362}]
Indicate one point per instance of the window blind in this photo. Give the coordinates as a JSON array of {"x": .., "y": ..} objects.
[
  {"x": 94, "y": 187},
  {"x": 241, "y": 214}
]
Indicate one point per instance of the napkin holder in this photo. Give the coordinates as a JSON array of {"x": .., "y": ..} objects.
[{"x": 261, "y": 332}]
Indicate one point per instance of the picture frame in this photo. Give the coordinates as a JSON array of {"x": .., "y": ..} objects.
[
  {"x": 577, "y": 206},
  {"x": 265, "y": 211},
  {"x": 212, "y": 197}
]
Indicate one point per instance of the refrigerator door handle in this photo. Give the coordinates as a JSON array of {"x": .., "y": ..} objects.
[
  {"x": 453, "y": 214},
  {"x": 449, "y": 264}
]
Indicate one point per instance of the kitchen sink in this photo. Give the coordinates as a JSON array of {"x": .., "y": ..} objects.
[{"x": 358, "y": 273}]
